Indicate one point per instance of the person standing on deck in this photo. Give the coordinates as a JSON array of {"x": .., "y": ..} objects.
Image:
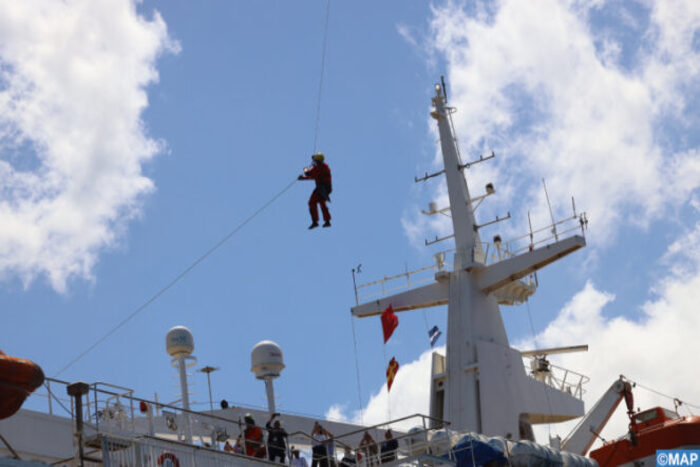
[
  {"x": 276, "y": 439},
  {"x": 253, "y": 436},
  {"x": 388, "y": 449},
  {"x": 321, "y": 174},
  {"x": 319, "y": 449}
]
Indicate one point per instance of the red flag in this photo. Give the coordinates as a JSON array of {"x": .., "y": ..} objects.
[
  {"x": 391, "y": 373},
  {"x": 389, "y": 322}
]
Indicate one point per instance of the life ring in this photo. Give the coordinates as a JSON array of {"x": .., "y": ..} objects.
[
  {"x": 18, "y": 378},
  {"x": 172, "y": 460}
]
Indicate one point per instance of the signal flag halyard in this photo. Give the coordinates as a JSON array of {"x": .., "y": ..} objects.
[
  {"x": 434, "y": 334},
  {"x": 389, "y": 322},
  {"x": 391, "y": 371}
]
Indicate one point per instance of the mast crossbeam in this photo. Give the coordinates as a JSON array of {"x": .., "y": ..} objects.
[
  {"x": 495, "y": 276},
  {"x": 430, "y": 295}
]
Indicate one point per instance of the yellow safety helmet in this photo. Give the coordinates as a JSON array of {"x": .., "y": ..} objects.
[{"x": 318, "y": 157}]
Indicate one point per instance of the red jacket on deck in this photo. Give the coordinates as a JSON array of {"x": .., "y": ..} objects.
[{"x": 254, "y": 443}]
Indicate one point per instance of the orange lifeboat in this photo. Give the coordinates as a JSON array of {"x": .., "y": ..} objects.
[
  {"x": 18, "y": 378},
  {"x": 652, "y": 429}
]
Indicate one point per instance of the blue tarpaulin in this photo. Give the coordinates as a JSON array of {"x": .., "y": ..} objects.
[{"x": 473, "y": 452}]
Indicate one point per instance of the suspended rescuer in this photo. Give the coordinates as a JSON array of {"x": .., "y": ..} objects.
[{"x": 321, "y": 174}]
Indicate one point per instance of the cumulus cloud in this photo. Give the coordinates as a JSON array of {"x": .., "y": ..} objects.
[
  {"x": 72, "y": 141},
  {"x": 410, "y": 394},
  {"x": 557, "y": 96}
]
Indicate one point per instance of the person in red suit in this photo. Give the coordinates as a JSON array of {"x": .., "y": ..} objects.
[
  {"x": 254, "y": 442},
  {"x": 321, "y": 174}
]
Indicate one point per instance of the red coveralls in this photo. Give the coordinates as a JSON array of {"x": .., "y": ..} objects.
[
  {"x": 321, "y": 173},
  {"x": 254, "y": 444}
]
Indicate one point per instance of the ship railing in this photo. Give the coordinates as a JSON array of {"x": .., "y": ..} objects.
[
  {"x": 560, "y": 378},
  {"x": 403, "y": 281},
  {"x": 485, "y": 252},
  {"x": 110, "y": 410},
  {"x": 498, "y": 250},
  {"x": 124, "y": 429},
  {"x": 415, "y": 446},
  {"x": 149, "y": 451},
  {"x": 56, "y": 400},
  {"x": 418, "y": 436}
]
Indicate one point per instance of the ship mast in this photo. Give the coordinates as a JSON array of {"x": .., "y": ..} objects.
[{"x": 480, "y": 384}]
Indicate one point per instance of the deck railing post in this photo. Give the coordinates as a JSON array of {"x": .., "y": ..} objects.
[{"x": 77, "y": 391}]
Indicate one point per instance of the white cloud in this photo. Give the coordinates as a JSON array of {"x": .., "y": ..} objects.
[
  {"x": 407, "y": 35},
  {"x": 530, "y": 82},
  {"x": 410, "y": 393},
  {"x": 72, "y": 141}
]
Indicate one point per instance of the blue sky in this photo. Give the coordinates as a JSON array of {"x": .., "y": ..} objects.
[{"x": 141, "y": 134}]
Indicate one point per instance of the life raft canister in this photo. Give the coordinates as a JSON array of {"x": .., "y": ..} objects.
[
  {"x": 18, "y": 379},
  {"x": 168, "y": 459}
]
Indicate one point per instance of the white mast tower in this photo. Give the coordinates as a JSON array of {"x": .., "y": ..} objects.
[{"x": 480, "y": 384}]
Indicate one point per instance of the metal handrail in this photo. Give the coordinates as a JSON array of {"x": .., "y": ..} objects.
[
  {"x": 440, "y": 424},
  {"x": 574, "y": 388},
  {"x": 194, "y": 447},
  {"x": 397, "y": 276},
  {"x": 217, "y": 422},
  {"x": 390, "y": 422},
  {"x": 404, "y": 275}
]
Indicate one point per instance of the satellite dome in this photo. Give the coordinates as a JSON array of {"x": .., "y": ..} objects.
[
  {"x": 179, "y": 341},
  {"x": 266, "y": 360}
]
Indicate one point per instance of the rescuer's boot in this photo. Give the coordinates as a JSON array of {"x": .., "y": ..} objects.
[
  {"x": 327, "y": 224},
  {"x": 313, "y": 225}
]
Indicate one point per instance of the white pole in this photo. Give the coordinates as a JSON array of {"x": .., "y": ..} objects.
[
  {"x": 270, "y": 394},
  {"x": 185, "y": 396}
]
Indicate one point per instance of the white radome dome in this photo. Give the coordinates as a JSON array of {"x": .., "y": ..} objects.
[
  {"x": 179, "y": 341},
  {"x": 266, "y": 360}
]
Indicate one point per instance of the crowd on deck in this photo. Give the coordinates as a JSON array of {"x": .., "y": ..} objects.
[{"x": 252, "y": 443}]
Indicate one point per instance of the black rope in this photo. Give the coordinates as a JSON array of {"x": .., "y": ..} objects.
[
  {"x": 320, "y": 81},
  {"x": 177, "y": 278}
]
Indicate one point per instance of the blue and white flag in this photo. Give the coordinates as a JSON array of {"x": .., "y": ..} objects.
[{"x": 434, "y": 335}]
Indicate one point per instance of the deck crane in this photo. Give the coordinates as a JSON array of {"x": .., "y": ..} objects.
[{"x": 584, "y": 434}]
